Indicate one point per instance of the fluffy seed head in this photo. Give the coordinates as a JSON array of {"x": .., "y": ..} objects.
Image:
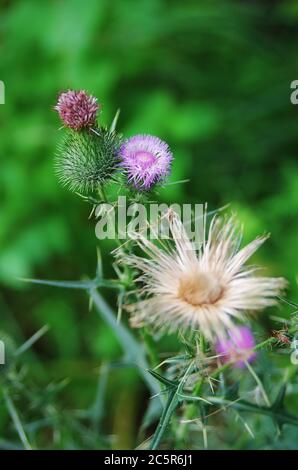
[
  {"x": 237, "y": 347},
  {"x": 86, "y": 159},
  {"x": 77, "y": 109},
  {"x": 184, "y": 288},
  {"x": 146, "y": 160}
]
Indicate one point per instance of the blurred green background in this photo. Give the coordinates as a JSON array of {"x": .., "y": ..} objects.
[{"x": 212, "y": 78}]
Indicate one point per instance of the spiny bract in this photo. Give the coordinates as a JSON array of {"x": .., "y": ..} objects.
[{"x": 87, "y": 159}]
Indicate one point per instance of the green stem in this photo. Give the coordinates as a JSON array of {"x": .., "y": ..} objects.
[
  {"x": 167, "y": 413},
  {"x": 130, "y": 345},
  {"x": 190, "y": 412},
  {"x": 150, "y": 346},
  {"x": 119, "y": 242},
  {"x": 16, "y": 420},
  {"x": 104, "y": 197},
  {"x": 249, "y": 407}
]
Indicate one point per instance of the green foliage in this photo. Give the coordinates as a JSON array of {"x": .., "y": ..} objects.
[{"x": 212, "y": 78}]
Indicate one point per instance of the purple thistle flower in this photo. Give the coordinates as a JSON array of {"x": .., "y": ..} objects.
[
  {"x": 77, "y": 109},
  {"x": 238, "y": 348},
  {"x": 146, "y": 160}
]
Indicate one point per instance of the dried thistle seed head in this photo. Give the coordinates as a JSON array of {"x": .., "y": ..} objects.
[
  {"x": 208, "y": 289},
  {"x": 87, "y": 159},
  {"x": 77, "y": 109}
]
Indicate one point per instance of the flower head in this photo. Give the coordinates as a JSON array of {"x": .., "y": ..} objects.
[
  {"x": 237, "y": 347},
  {"x": 146, "y": 160},
  {"x": 202, "y": 289},
  {"x": 77, "y": 109},
  {"x": 86, "y": 160}
]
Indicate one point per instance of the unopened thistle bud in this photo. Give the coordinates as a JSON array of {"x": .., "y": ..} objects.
[
  {"x": 87, "y": 159},
  {"x": 77, "y": 109}
]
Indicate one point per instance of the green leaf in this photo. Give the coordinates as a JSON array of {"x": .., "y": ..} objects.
[
  {"x": 97, "y": 409},
  {"x": 130, "y": 345},
  {"x": 167, "y": 413},
  {"x": 32, "y": 340},
  {"x": 241, "y": 405},
  {"x": 64, "y": 284},
  {"x": 85, "y": 285},
  {"x": 279, "y": 400},
  {"x": 115, "y": 120},
  {"x": 292, "y": 304},
  {"x": 174, "y": 398},
  {"x": 16, "y": 420},
  {"x": 163, "y": 380}
]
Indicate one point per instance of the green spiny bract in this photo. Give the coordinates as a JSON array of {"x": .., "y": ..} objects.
[{"x": 87, "y": 159}]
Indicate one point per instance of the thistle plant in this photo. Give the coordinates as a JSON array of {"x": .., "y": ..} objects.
[
  {"x": 87, "y": 159},
  {"x": 206, "y": 296},
  {"x": 88, "y": 155}
]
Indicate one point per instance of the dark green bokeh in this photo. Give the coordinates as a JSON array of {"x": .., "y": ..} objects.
[{"x": 212, "y": 78}]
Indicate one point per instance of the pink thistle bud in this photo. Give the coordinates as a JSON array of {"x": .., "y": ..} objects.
[
  {"x": 77, "y": 109},
  {"x": 238, "y": 347}
]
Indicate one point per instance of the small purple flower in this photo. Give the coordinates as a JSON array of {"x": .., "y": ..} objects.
[
  {"x": 146, "y": 160},
  {"x": 77, "y": 109},
  {"x": 238, "y": 348}
]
